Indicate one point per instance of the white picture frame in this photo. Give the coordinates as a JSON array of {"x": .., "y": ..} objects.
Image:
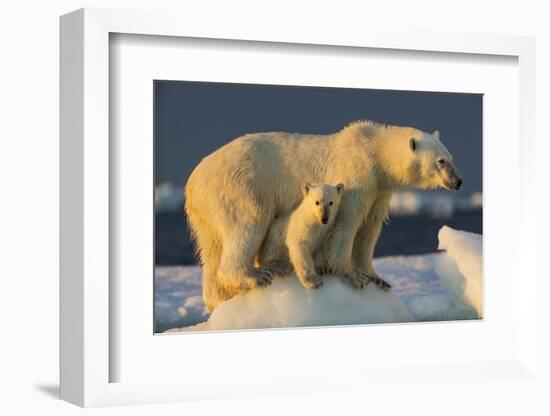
[{"x": 86, "y": 356}]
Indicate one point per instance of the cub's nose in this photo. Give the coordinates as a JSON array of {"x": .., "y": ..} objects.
[
  {"x": 324, "y": 220},
  {"x": 458, "y": 184}
]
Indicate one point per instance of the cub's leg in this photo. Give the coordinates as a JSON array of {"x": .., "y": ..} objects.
[{"x": 300, "y": 257}]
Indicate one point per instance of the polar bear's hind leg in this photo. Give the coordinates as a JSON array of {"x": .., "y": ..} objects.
[{"x": 236, "y": 272}]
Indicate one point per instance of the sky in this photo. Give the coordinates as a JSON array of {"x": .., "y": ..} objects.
[{"x": 192, "y": 119}]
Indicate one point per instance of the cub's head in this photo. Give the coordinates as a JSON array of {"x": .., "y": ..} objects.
[
  {"x": 432, "y": 164},
  {"x": 322, "y": 201}
]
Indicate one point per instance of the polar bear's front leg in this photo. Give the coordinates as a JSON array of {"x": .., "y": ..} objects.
[
  {"x": 340, "y": 246},
  {"x": 366, "y": 239},
  {"x": 363, "y": 251}
]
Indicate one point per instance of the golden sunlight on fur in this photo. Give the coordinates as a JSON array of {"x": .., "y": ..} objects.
[{"x": 236, "y": 193}]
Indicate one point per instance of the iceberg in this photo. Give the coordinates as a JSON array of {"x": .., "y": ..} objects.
[
  {"x": 461, "y": 269},
  {"x": 439, "y": 286}
]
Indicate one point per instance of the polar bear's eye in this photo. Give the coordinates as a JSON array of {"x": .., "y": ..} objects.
[
  {"x": 441, "y": 161},
  {"x": 330, "y": 203},
  {"x": 316, "y": 202}
]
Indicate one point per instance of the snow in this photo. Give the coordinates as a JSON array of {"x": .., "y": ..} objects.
[
  {"x": 178, "y": 297},
  {"x": 168, "y": 197},
  {"x": 437, "y": 204},
  {"x": 405, "y": 203},
  {"x": 476, "y": 200},
  {"x": 418, "y": 281},
  {"x": 433, "y": 287},
  {"x": 463, "y": 274},
  {"x": 287, "y": 304}
]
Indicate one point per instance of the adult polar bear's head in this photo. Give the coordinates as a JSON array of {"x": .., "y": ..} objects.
[
  {"x": 407, "y": 156},
  {"x": 432, "y": 164}
]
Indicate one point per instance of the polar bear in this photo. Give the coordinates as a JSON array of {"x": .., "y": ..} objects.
[
  {"x": 296, "y": 239},
  {"x": 234, "y": 195}
]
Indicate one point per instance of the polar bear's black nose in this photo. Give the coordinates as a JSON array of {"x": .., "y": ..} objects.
[
  {"x": 458, "y": 183},
  {"x": 324, "y": 220}
]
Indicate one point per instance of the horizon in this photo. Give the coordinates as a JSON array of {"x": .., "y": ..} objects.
[{"x": 192, "y": 119}]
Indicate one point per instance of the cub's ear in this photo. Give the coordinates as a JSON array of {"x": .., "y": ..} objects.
[
  {"x": 339, "y": 188},
  {"x": 305, "y": 188},
  {"x": 436, "y": 134},
  {"x": 412, "y": 144}
]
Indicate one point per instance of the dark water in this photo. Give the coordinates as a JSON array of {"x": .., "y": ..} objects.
[{"x": 404, "y": 235}]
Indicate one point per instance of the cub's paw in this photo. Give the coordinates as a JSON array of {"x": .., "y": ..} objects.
[{"x": 313, "y": 281}]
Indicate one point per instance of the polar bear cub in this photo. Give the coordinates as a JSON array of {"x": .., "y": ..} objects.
[{"x": 294, "y": 241}]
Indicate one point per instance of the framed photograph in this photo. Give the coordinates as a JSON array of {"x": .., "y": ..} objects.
[
  {"x": 419, "y": 187},
  {"x": 277, "y": 207}
]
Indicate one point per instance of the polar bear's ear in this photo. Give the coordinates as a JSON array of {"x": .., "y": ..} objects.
[
  {"x": 412, "y": 144},
  {"x": 339, "y": 188},
  {"x": 306, "y": 188},
  {"x": 436, "y": 134}
]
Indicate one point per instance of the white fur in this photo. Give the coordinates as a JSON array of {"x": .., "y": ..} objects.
[
  {"x": 235, "y": 193},
  {"x": 296, "y": 239}
]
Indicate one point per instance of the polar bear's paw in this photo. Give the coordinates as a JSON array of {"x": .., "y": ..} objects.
[
  {"x": 313, "y": 281},
  {"x": 278, "y": 269},
  {"x": 355, "y": 280},
  {"x": 379, "y": 282},
  {"x": 322, "y": 270},
  {"x": 259, "y": 277}
]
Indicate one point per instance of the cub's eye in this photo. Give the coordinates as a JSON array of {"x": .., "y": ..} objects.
[
  {"x": 330, "y": 203},
  {"x": 316, "y": 202},
  {"x": 441, "y": 161}
]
